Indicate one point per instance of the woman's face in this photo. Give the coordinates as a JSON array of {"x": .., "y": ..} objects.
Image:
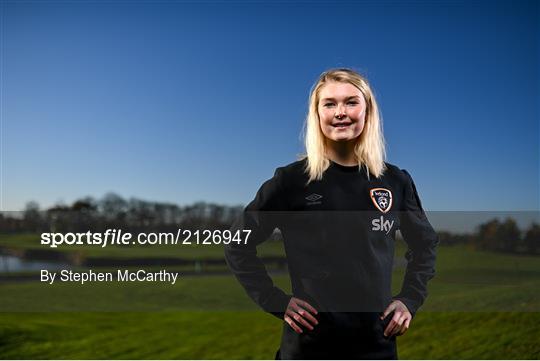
[{"x": 342, "y": 110}]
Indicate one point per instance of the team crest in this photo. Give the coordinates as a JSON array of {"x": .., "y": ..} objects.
[{"x": 382, "y": 198}]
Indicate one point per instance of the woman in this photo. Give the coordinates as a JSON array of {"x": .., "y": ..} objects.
[{"x": 338, "y": 209}]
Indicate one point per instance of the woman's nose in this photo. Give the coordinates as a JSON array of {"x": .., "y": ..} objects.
[{"x": 340, "y": 112}]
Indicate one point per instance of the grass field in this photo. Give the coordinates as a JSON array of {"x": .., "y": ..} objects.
[
  {"x": 481, "y": 306},
  {"x": 248, "y": 335}
]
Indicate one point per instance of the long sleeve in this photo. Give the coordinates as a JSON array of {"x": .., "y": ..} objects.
[
  {"x": 259, "y": 217},
  {"x": 422, "y": 241}
]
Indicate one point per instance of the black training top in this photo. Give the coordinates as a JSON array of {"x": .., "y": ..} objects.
[{"x": 339, "y": 236}]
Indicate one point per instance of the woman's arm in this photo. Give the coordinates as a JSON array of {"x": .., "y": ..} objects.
[
  {"x": 259, "y": 217},
  {"x": 422, "y": 241}
]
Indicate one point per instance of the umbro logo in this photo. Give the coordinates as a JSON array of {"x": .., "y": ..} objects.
[{"x": 314, "y": 199}]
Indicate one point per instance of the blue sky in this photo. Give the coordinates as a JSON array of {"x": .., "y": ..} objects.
[{"x": 185, "y": 101}]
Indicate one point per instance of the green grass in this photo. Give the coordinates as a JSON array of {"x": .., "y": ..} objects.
[
  {"x": 248, "y": 335},
  {"x": 194, "y": 335},
  {"x": 468, "y": 280},
  {"x": 210, "y": 317},
  {"x": 206, "y": 293}
]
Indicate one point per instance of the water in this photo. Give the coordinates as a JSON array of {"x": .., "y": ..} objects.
[{"x": 16, "y": 264}]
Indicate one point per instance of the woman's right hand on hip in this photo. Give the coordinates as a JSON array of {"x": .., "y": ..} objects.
[{"x": 300, "y": 313}]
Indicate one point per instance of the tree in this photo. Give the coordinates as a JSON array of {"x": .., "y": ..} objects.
[
  {"x": 532, "y": 239},
  {"x": 32, "y": 217},
  {"x": 113, "y": 208},
  {"x": 487, "y": 237},
  {"x": 509, "y": 236}
]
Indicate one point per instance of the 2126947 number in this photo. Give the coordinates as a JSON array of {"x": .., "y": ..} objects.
[{"x": 215, "y": 237}]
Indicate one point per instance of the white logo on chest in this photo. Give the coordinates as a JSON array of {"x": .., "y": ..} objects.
[{"x": 382, "y": 225}]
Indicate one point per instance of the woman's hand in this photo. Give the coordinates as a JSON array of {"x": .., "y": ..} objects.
[
  {"x": 401, "y": 320},
  {"x": 300, "y": 312}
]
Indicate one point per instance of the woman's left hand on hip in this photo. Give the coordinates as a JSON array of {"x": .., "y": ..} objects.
[{"x": 399, "y": 324}]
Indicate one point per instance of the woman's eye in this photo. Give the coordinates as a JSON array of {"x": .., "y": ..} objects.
[
  {"x": 352, "y": 103},
  {"x": 328, "y": 104}
]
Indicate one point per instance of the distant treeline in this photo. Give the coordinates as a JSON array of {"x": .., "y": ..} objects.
[
  {"x": 113, "y": 211},
  {"x": 495, "y": 235}
]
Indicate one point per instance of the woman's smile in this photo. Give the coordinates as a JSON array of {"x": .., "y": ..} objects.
[{"x": 341, "y": 125}]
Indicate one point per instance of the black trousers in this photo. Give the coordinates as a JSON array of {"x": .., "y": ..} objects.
[{"x": 341, "y": 336}]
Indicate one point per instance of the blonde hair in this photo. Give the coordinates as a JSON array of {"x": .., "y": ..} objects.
[{"x": 369, "y": 148}]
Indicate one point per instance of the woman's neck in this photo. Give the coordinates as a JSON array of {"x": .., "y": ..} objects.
[{"x": 341, "y": 153}]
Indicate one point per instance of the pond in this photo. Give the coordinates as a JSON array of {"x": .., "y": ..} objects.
[{"x": 16, "y": 264}]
